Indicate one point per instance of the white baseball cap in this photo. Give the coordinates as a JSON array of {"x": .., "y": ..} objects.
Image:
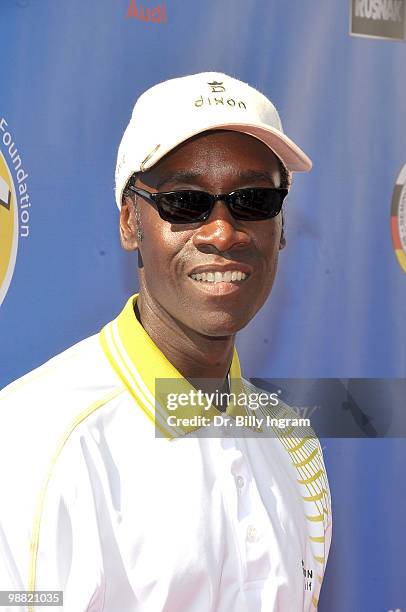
[{"x": 169, "y": 113}]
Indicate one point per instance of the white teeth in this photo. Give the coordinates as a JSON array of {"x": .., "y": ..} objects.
[{"x": 219, "y": 277}]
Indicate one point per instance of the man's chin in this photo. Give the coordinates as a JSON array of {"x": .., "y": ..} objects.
[{"x": 220, "y": 325}]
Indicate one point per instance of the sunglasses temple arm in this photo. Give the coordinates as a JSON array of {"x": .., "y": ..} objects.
[{"x": 144, "y": 194}]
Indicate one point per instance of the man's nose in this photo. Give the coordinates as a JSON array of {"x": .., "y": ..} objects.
[{"x": 221, "y": 230}]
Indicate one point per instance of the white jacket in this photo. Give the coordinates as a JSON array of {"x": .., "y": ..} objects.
[{"x": 95, "y": 504}]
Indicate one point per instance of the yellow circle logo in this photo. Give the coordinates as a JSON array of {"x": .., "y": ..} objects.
[
  {"x": 398, "y": 218},
  {"x": 8, "y": 228}
]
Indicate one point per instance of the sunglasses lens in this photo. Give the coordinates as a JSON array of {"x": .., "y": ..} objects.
[
  {"x": 257, "y": 204},
  {"x": 184, "y": 206},
  {"x": 191, "y": 206}
]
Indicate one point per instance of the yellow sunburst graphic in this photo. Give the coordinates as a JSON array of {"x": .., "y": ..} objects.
[{"x": 8, "y": 228}]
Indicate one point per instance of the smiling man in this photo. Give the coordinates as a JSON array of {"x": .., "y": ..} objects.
[{"x": 126, "y": 501}]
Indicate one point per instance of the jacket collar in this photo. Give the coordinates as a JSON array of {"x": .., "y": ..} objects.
[{"x": 150, "y": 377}]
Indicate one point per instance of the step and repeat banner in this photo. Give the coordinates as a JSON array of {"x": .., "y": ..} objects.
[{"x": 70, "y": 73}]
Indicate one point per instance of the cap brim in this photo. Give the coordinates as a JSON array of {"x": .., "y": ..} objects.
[{"x": 292, "y": 156}]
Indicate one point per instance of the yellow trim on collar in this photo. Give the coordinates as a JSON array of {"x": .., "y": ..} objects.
[{"x": 139, "y": 363}]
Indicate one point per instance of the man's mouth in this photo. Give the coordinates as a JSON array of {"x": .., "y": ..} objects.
[{"x": 230, "y": 276}]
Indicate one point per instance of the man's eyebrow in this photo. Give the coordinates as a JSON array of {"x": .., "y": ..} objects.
[
  {"x": 184, "y": 176},
  {"x": 256, "y": 175},
  {"x": 181, "y": 176}
]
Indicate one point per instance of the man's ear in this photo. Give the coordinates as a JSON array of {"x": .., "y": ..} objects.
[
  {"x": 128, "y": 225},
  {"x": 282, "y": 240}
]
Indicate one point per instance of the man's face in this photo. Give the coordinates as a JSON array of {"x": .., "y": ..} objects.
[{"x": 217, "y": 162}]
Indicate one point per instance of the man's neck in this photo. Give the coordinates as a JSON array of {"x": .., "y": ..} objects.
[{"x": 192, "y": 354}]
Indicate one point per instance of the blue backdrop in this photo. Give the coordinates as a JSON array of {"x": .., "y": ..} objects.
[{"x": 70, "y": 73}]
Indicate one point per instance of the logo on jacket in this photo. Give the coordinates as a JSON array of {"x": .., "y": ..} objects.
[{"x": 308, "y": 577}]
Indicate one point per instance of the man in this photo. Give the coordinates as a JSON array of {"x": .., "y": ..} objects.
[{"x": 115, "y": 497}]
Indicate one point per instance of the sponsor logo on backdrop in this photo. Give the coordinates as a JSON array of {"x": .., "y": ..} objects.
[
  {"x": 156, "y": 14},
  {"x": 398, "y": 218},
  {"x": 14, "y": 205},
  {"x": 378, "y": 18}
]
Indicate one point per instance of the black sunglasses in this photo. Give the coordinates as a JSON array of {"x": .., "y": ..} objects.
[{"x": 190, "y": 206}]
